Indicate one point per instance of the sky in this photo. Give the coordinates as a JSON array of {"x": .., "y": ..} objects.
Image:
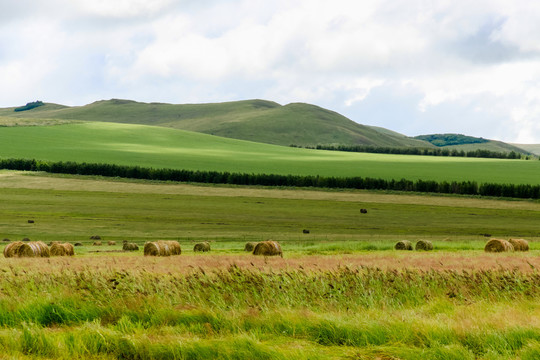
[{"x": 417, "y": 67}]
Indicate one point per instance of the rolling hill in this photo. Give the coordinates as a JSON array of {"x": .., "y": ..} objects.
[
  {"x": 160, "y": 147},
  {"x": 254, "y": 120}
]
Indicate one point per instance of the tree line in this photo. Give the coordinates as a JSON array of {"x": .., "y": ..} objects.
[
  {"x": 215, "y": 177},
  {"x": 478, "y": 153}
]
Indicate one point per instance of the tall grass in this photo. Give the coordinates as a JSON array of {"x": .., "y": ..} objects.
[{"x": 238, "y": 313}]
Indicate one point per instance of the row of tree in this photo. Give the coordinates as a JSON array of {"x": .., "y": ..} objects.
[
  {"x": 215, "y": 177},
  {"x": 478, "y": 153}
]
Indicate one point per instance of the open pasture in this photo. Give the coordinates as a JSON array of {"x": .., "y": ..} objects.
[
  {"x": 157, "y": 147},
  {"x": 340, "y": 292}
]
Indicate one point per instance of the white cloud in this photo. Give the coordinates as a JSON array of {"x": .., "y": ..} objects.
[{"x": 407, "y": 66}]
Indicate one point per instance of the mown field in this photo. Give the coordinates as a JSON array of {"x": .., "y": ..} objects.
[
  {"x": 340, "y": 292},
  {"x": 150, "y": 146}
]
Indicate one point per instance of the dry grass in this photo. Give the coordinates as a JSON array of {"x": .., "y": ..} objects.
[{"x": 439, "y": 261}]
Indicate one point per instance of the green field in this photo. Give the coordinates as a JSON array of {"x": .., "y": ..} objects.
[
  {"x": 159, "y": 147},
  {"x": 340, "y": 292}
]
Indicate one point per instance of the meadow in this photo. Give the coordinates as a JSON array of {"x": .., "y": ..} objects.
[
  {"x": 340, "y": 292},
  {"x": 151, "y": 146}
]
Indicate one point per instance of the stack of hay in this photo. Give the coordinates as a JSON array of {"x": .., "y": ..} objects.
[
  {"x": 403, "y": 245},
  {"x": 58, "y": 249},
  {"x": 162, "y": 248},
  {"x": 127, "y": 246},
  {"x": 501, "y": 245},
  {"x": 203, "y": 247},
  {"x": 268, "y": 248},
  {"x": 31, "y": 249},
  {"x": 250, "y": 246}
]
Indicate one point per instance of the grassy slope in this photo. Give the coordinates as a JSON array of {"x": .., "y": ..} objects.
[
  {"x": 157, "y": 147},
  {"x": 254, "y": 120},
  {"x": 492, "y": 145},
  {"x": 533, "y": 148}
]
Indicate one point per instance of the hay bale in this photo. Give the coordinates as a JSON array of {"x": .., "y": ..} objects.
[
  {"x": 78, "y": 244},
  {"x": 425, "y": 245},
  {"x": 95, "y": 237},
  {"x": 162, "y": 248},
  {"x": 30, "y": 221},
  {"x": 6, "y": 240},
  {"x": 11, "y": 249},
  {"x": 403, "y": 245},
  {"x": 519, "y": 244},
  {"x": 33, "y": 249},
  {"x": 111, "y": 243},
  {"x": 268, "y": 248},
  {"x": 58, "y": 249},
  {"x": 498, "y": 245},
  {"x": 305, "y": 231},
  {"x": 250, "y": 246},
  {"x": 203, "y": 247},
  {"x": 26, "y": 239},
  {"x": 363, "y": 211},
  {"x": 97, "y": 243},
  {"x": 127, "y": 246}
]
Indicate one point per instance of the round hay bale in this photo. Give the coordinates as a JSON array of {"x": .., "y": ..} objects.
[
  {"x": 203, "y": 247},
  {"x": 363, "y": 211},
  {"x": 95, "y": 237},
  {"x": 30, "y": 221},
  {"x": 250, "y": 246},
  {"x": 162, "y": 248},
  {"x": 127, "y": 246},
  {"x": 268, "y": 248},
  {"x": 54, "y": 242},
  {"x": 519, "y": 244},
  {"x": 498, "y": 245},
  {"x": 111, "y": 243},
  {"x": 57, "y": 249},
  {"x": 78, "y": 244},
  {"x": 424, "y": 245},
  {"x": 403, "y": 245},
  {"x": 26, "y": 239},
  {"x": 305, "y": 231},
  {"x": 97, "y": 243},
  {"x": 11, "y": 249},
  {"x": 33, "y": 249},
  {"x": 6, "y": 240}
]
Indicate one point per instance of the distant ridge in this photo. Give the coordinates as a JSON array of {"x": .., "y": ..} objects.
[
  {"x": 469, "y": 143},
  {"x": 254, "y": 120}
]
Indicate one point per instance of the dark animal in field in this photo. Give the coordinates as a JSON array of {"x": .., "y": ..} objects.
[
  {"x": 268, "y": 248},
  {"x": 305, "y": 231},
  {"x": 363, "y": 211},
  {"x": 30, "y": 221}
]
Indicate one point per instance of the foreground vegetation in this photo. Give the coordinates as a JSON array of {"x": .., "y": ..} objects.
[
  {"x": 340, "y": 292},
  {"x": 239, "y": 313}
]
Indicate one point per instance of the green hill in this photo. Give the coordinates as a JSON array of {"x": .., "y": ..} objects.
[
  {"x": 159, "y": 147},
  {"x": 254, "y": 120},
  {"x": 532, "y": 148},
  {"x": 470, "y": 143}
]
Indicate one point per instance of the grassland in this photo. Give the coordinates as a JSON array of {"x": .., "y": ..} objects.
[
  {"x": 340, "y": 292},
  {"x": 151, "y": 146},
  {"x": 254, "y": 120}
]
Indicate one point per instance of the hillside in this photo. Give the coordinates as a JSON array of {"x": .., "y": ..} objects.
[
  {"x": 469, "y": 143},
  {"x": 532, "y": 148},
  {"x": 160, "y": 147},
  {"x": 253, "y": 120}
]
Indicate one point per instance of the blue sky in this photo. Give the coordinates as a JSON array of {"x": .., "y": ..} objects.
[{"x": 416, "y": 66}]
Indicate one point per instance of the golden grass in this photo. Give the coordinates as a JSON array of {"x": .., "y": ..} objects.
[{"x": 440, "y": 261}]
